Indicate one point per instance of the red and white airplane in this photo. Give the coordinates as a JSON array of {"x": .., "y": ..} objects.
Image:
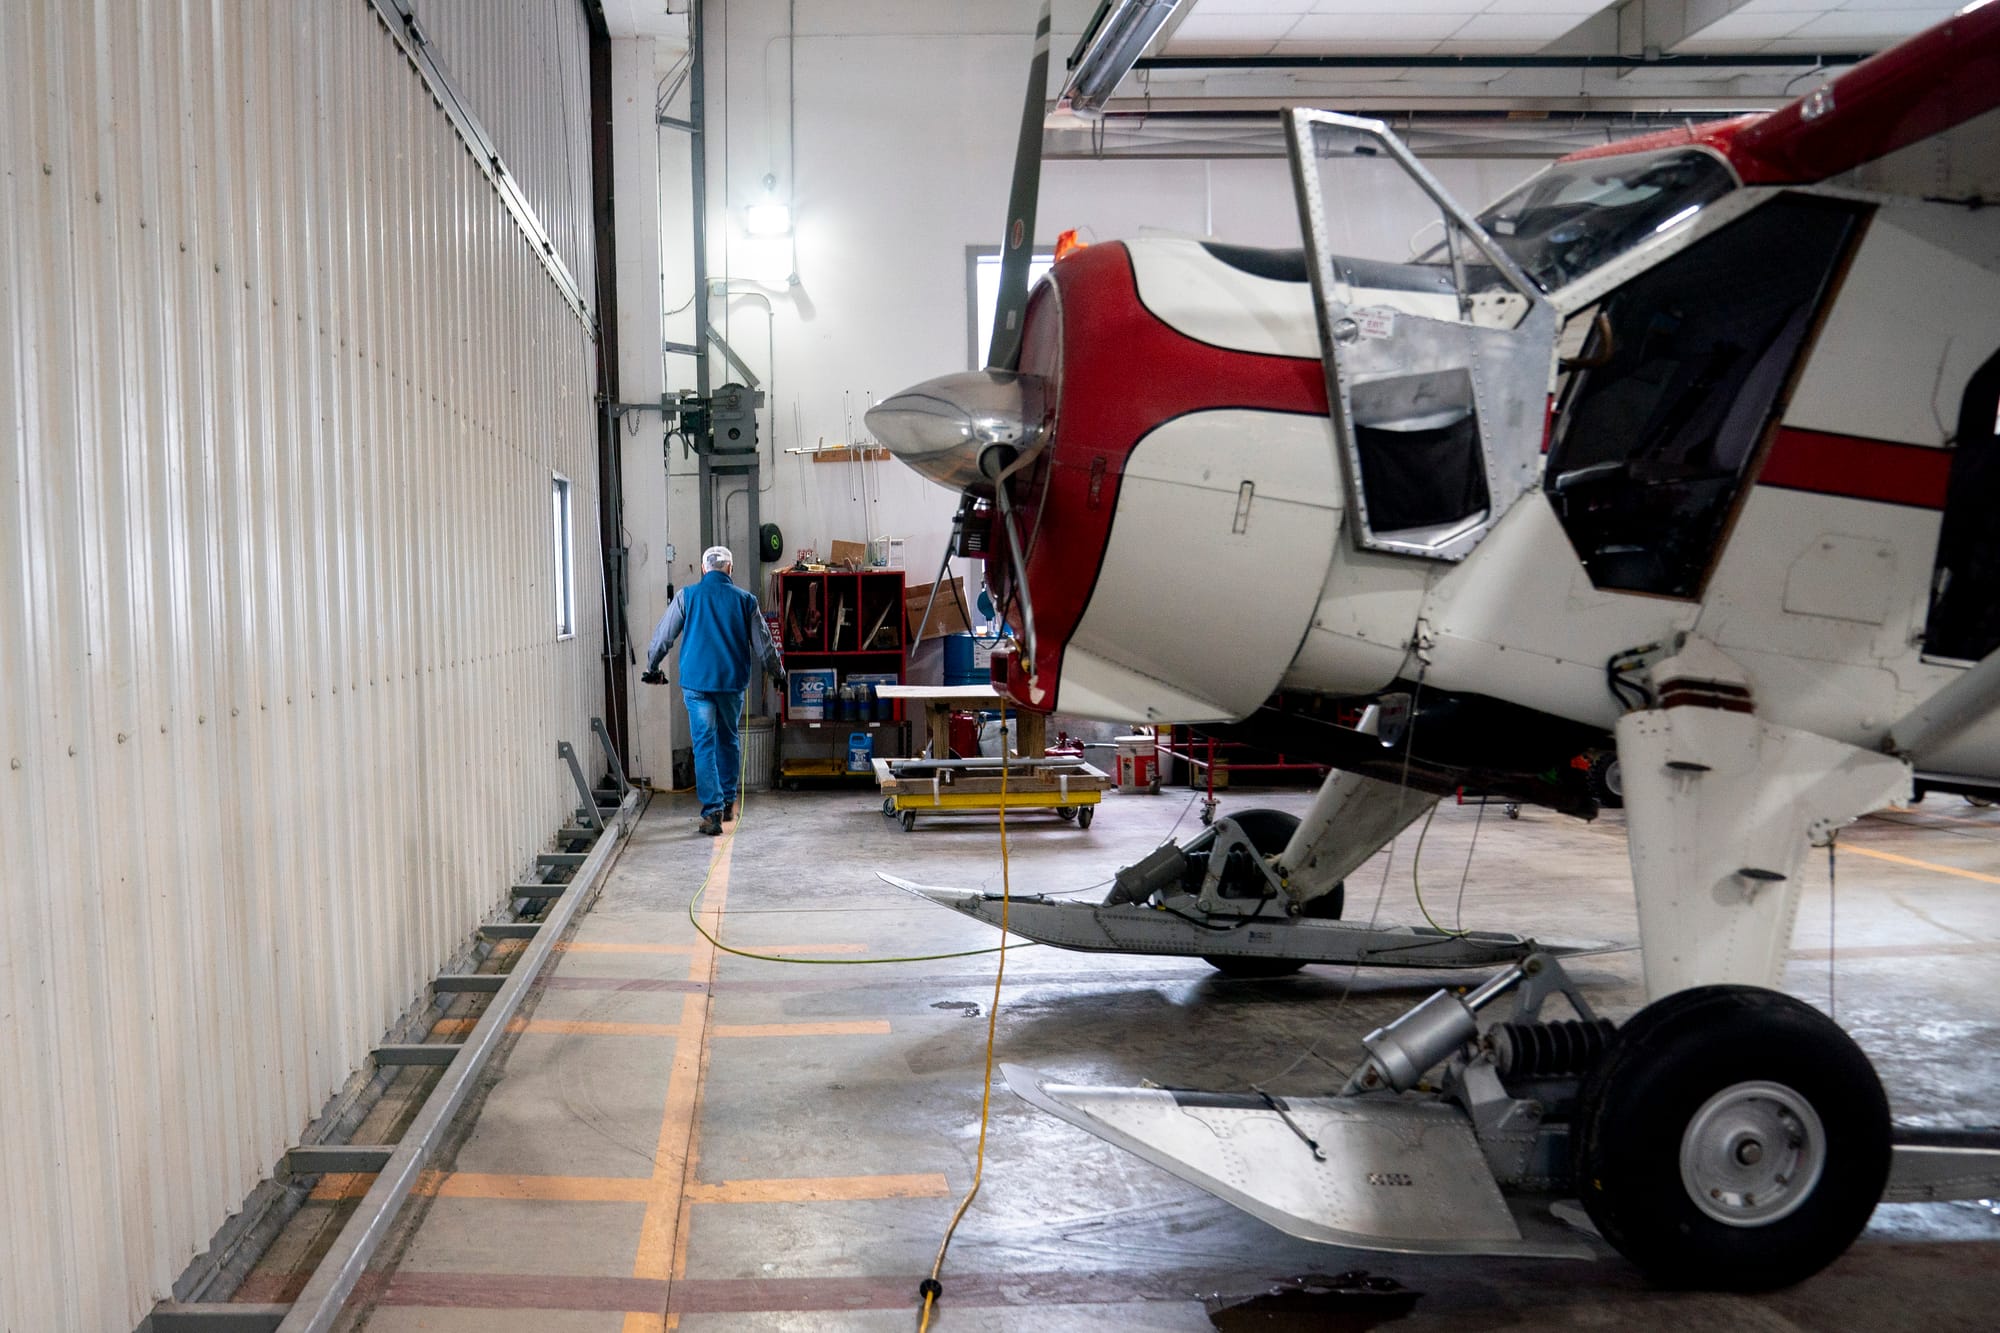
[{"x": 1690, "y": 445}]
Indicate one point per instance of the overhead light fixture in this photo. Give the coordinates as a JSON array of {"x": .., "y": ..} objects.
[
  {"x": 1116, "y": 40},
  {"x": 769, "y": 216}
]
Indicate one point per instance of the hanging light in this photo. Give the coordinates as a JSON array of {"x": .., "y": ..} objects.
[
  {"x": 769, "y": 216},
  {"x": 1112, "y": 46}
]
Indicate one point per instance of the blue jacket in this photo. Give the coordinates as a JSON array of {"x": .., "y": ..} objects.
[{"x": 723, "y": 633}]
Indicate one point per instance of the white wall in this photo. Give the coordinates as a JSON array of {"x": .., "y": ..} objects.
[
  {"x": 906, "y": 115},
  {"x": 282, "y": 385}
]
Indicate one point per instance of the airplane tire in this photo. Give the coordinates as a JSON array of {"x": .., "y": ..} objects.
[
  {"x": 1605, "y": 782},
  {"x": 1732, "y": 1138},
  {"x": 1268, "y": 831}
]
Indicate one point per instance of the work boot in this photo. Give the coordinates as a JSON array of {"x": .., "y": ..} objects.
[
  {"x": 729, "y": 812},
  {"x": 711, "y": 825}
]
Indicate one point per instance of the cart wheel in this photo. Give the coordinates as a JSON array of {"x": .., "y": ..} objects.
[
  {"x": 1065, "y": 812},
  {"x": 888, "y": 807},
  {"x": 909, "y": 820},
  {"x": 1513, "y": 810},
  {"x": 1085, "y": 815},
  {"x": 1732, "y": 1138}
]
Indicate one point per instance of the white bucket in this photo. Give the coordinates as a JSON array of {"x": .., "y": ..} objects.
[
  {"x": 759, "y": 737},
  {"x": 1138, "y": 757}
]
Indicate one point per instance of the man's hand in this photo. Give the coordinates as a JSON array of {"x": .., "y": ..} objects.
[
  {"x": 778, "y": 677},
  {"x": 653, "y": 677}
]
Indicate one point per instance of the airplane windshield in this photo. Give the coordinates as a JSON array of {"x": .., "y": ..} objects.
[{"x": 1577, "y": 216}]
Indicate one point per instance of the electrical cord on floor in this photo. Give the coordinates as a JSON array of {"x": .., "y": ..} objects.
[
  {"x": 743, "y": 808},
  {"x": 1417, "y": 860},
  {"x": 931, "y": 1289}
]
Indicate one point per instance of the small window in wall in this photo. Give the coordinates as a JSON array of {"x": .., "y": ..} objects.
[
  {"x": 983, "y": 292},
  {"x": 565, "y": 552}
]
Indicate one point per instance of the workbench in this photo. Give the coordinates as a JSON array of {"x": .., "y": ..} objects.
[{"x": 939, "y": 702}]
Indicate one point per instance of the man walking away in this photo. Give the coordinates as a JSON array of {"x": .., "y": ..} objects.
[{"x": 724, "y": 635}]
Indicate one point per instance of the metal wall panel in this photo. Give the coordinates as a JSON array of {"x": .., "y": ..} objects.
[
  {"x": 282, "y": 387},
  {"x": 517, "y": 67}
]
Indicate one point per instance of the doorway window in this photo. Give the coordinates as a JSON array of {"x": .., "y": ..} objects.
[
  {"x": 1964, "y": 622},
  {"x": 1654, "y": 439}
]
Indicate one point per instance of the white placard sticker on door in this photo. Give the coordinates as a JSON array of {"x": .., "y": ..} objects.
[{"x": 1376, "y": 323}]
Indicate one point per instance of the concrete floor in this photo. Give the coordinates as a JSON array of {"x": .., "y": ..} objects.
[{"x": 684, "y": 1138}]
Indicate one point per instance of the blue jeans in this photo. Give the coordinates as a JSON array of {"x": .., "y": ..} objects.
[{"x": 718, "y": 757}]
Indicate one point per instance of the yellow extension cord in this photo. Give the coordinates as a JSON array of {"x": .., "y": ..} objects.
[{"x": 930, "y": 1288}]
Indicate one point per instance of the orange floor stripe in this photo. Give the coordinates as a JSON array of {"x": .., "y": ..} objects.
[
  {"x": 1921, "y": 865},
  {"x": 662, "y": 1247},
  {"x": 576, "y": 1027},
  {"x": 866, "y": 1027},
  {"x": 821, "y": 1189}
]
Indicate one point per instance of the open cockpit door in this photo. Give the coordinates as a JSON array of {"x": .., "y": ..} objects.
[{"x": 1438, "y": 368}]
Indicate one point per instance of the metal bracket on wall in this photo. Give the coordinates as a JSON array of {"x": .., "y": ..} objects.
[
  {"x": 587, "y": 811},
  {"x": 613, "y": 766}
]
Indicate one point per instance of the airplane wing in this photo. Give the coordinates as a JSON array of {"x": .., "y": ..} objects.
[{"x": 1922, "y": 118}]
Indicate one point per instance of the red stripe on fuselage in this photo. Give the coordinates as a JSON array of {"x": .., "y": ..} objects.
[
  {"x": 1125, "y": 373},
  {"x": 1858, "y": 468}
]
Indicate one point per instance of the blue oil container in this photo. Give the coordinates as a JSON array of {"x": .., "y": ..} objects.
[{"x": 967, "y": 659}]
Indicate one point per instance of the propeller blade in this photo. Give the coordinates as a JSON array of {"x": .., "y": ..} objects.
[{"x": 1017, "y": 249}]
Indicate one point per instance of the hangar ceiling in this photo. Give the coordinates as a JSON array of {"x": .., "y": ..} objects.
[{"x": 1472, "y": 77}]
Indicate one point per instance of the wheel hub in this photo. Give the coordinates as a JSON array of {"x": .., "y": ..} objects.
[{"x": 1752, "y": 1154}]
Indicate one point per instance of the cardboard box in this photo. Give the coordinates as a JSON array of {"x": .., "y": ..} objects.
[
  {"x": 946, "y": 617},
  {"x": 848, "y": 555},
  {"x": 806, "y": 691}
]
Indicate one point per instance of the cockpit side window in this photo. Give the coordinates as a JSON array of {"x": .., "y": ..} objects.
[
  {"x": 1677, "y": 385},
  {"x": 1577, "y": 216}
]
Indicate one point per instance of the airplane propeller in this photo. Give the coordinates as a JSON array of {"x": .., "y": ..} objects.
[{"x": 972, "y": 431}]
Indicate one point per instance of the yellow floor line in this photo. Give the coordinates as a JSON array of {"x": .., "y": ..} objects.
[{"x": 1921, "y": 865}]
